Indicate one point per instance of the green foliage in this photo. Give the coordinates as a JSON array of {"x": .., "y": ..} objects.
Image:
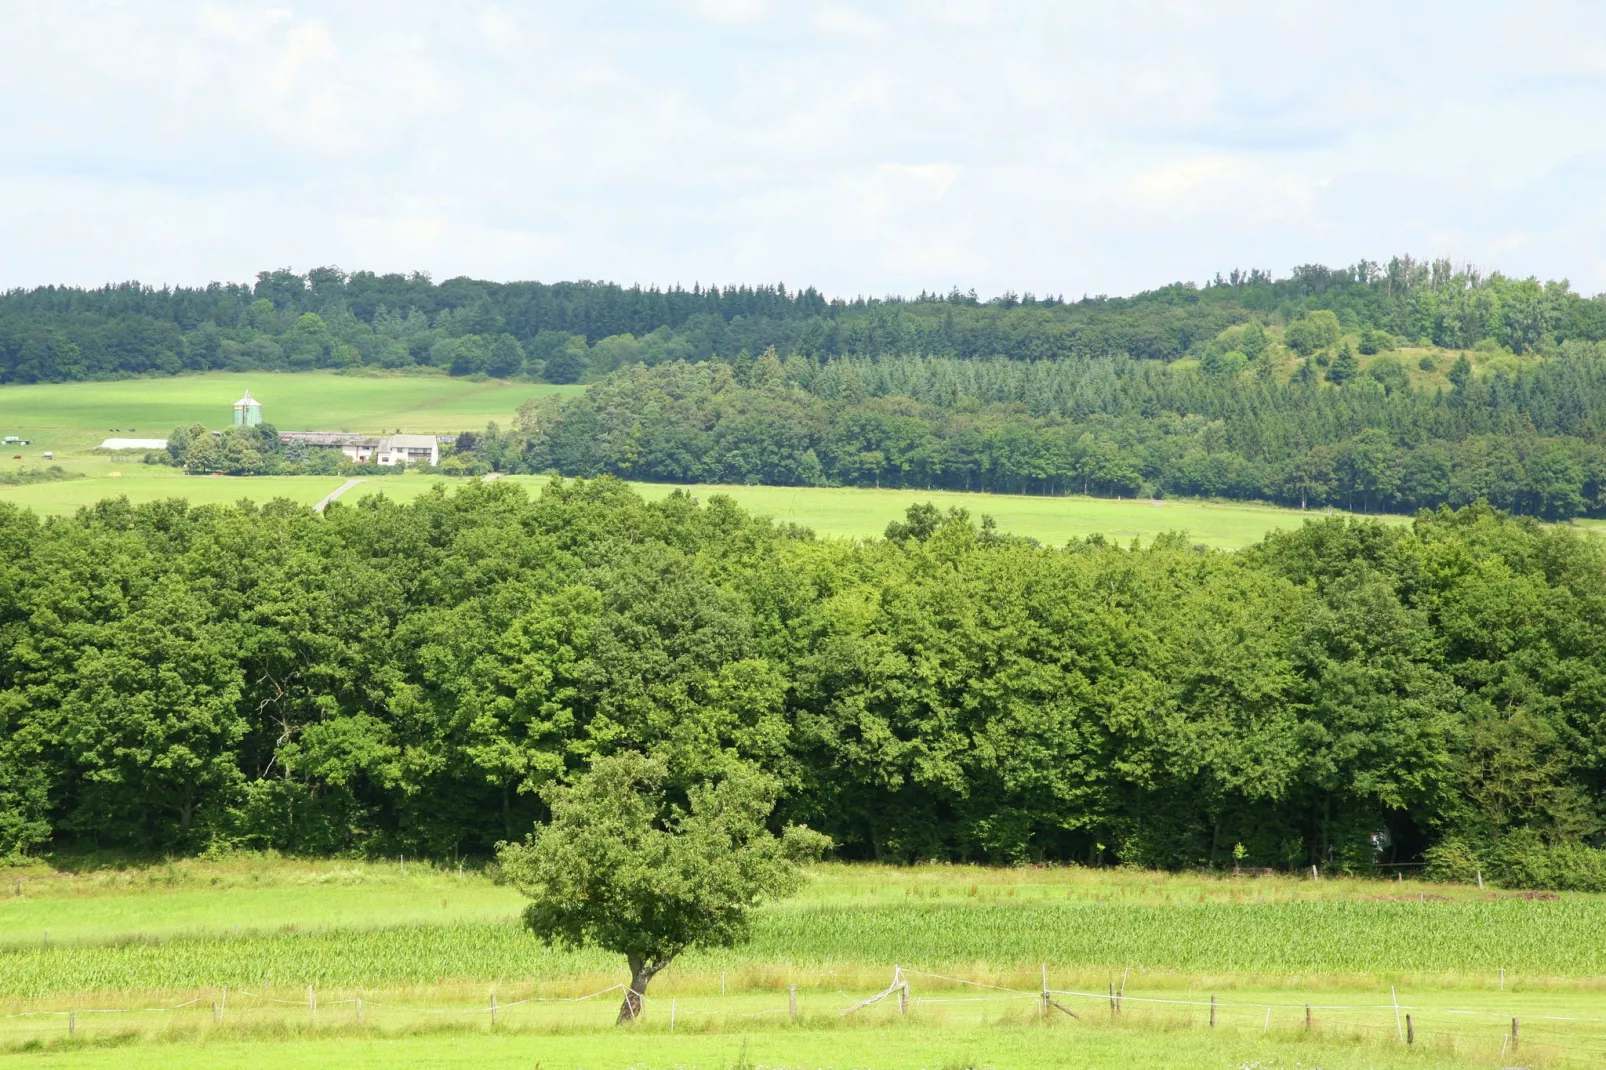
[
  {"x": 618, "y": 866},
  {"x": 1112, "y": 428},
  {"x": 569, "y": 331},
  {"x": 1373, "y": 341},
  {"x": 1388, "y": 370},
  {"x": 1316, "y": 332},
  {"x": 1521, "y": 860},
  {"x": 569, "y": 363},
  {"x": 408, "y": 678},
  {"x": 22, "y": 477},
  {"x": 1344, "y": 367}
]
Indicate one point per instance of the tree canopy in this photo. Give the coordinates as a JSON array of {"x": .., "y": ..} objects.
[
  {"x": 1528, "y": 443},
  {"x": 328, "y": 318},
  {"x": 1250, "y": 386},
  {"x": 622, "y": 867},
  {"x": 392, "y": 677}
]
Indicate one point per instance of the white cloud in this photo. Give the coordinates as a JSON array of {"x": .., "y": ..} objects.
[
  {"x": 861, "y": 147},
  {"x": 730, "y": 12},
  {"x": 840, "y": 21}
]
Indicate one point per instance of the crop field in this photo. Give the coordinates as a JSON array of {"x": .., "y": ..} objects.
[{"x": 352, "y": 963}]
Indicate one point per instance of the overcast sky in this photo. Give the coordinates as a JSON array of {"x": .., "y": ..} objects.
[{"x": 862, "y": 148}]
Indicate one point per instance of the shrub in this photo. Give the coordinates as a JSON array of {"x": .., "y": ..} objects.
[
  {"x": 1522, "y": 859},
  {"x": 1370, "y": 342}
]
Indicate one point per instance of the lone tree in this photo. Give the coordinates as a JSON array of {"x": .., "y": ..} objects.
[{"x": 622, "y": 867}]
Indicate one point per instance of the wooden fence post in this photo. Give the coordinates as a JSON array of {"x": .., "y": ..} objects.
[
  {"x": 1307, "y": 1017},
  {"x": 493, "y": 1010},
  {"x": 1513, "y": 1034},
  {"x": 72, "y": 1024},
  {"x": 903, "y": 998},
  {"x": 216, "y": 1017},
  {"x": 1410, "y": 1031},
  {"x": 312, "y": 1001},
  {"x": 1212, "y": 1012},
  {"x": 672, "y": 1015},
  {"x": 1042, "y": 1007},
  {"x": 791, "y": 1001}
]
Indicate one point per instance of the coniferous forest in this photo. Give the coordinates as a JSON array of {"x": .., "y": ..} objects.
[
  {"x": 1395, "y": 386},
  {"x": 404, "y": 678}
]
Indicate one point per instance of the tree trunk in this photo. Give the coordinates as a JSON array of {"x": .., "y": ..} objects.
[{"x": 641, "y": 975}]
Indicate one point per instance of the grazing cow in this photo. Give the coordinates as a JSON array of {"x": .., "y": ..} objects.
[{"x": 16, "y": 456}]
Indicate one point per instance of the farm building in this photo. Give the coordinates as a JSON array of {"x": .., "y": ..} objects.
[
  {"x": 376, "y": 449},
  {"x": 247, "y": 411}
]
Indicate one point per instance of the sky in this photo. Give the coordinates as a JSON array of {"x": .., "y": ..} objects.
[{"x": 1058, "y": 148}]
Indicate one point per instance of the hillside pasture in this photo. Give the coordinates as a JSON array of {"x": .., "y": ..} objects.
[{"x": 71, "y": 419}]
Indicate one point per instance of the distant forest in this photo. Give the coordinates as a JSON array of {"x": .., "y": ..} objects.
[
  {"x": 328, "y": 318},
  {"x": 1371, "y": 387}
]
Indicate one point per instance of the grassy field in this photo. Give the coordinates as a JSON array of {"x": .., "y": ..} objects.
[
  {"x": 71, "y": 419},
  {"x": 856, "y": 512},
  {"x": 426, "y": 949},
  {"x": 1023, "y": 1044},
  {"x": 862, "y": 512},
  {"x": 149, "y": 408}
]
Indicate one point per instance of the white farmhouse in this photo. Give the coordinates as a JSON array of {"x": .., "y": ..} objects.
[
  {"x": 409, "y": 449},
  {"x": 387, "y": 450}
]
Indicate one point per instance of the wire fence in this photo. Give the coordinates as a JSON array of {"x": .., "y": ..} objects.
[{"x": 1522, "y": 1024}]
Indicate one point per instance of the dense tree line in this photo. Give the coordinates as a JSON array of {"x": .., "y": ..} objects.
[
  {"x": 568, "y": 331},
  {"x": 1528, "y": 442},
  {"x": 408, "y": 677}
]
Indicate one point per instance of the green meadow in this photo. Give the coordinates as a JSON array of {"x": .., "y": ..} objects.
[
  {"x": 71, "y": 419},
  {"x": 854, "y": 512},
  {"x": 863, "y": 512},
  {"x": 325, "y": 401},
  {"x": 232, "y": 961}
]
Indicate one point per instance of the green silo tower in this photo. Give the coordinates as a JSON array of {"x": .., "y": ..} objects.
[{"x": 247, "y": 411}]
